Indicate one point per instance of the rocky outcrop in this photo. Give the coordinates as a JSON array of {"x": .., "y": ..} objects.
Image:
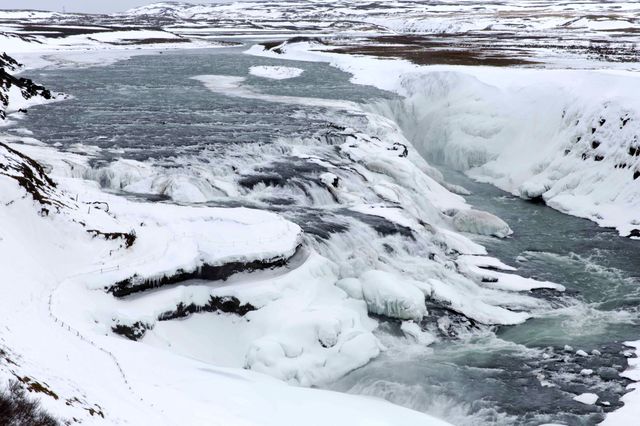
[
  {"x": 28, "y": 89},
  {"x": 137, "y": 284},
  {"x": 31, "y": 176}
]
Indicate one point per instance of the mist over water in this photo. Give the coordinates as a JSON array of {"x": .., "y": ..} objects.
[{"x": 150, "y": 109}]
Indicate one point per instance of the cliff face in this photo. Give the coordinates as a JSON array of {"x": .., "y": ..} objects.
[{"x": 14, "y": 91}]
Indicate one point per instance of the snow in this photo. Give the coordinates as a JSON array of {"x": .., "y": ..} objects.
[
  {"x": 586, "y": 398},
  {"x": 630, "y": 412},
  {"x": 119, "y": 36},
  {"x": 106, "y": 47},
  {"x": 387, "y": 295},
  {"x": 234, "y": 86},
  {"x": 558, "y": 21},
  {"x": 482, "y": 223},
  {"x": 275, "y": 72}
]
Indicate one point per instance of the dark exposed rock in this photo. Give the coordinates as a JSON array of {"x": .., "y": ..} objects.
[
  {"x": 320, "y": 225},
  {"x": 455, "y": 321},
  {"x": 537, "y": 200},
  {"x": 30, "y": 175},
  {"x": 250, "y": 181},
  {"x": 134, "y": 331},
  {"x": 634, "y": 233},
  {"x": 226, "y": 304},
  {"x": 624, "y": 121},
  {"x": 128, "y": 237},
  {"x": 404, "y": 151},
  {"x": 28, "y": 88},
  {"x": 282, "y": 172},
  {"x": 595, "y": 144}
]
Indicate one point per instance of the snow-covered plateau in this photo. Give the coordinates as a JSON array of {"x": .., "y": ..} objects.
[{"x": 233, "y": 235}]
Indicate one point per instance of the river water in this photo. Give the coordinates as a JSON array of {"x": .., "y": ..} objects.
[
  {"x": 527, "y": 374},
  {"x": 148, "y": 108}
]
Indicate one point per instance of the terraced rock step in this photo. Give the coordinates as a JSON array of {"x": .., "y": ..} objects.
[{"x": 137, "y": 284}]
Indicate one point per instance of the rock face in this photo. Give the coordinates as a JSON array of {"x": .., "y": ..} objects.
[
  {"x": 26, "y": 88},
  {"x": 136, "y": 284},
  {"x": 30, "y": 176}
]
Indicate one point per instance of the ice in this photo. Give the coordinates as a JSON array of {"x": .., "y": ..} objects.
[
  {"x": 351, "y": 286},
  {"x": 413, "y": 330},
  {"x": 482, "y": 223},
  {"x": 54, "y": 259},
  {"x": 586, "y": 398},
  {"x": 630, "y": 412},
  {"x": 275, "y": 72},
  {"x": 389, "y": 295}
]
